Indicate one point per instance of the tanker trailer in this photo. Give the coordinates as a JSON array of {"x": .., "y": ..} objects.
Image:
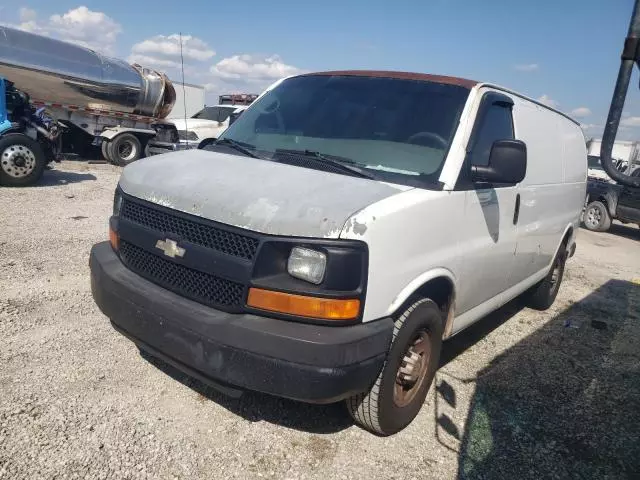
[{"x": 101, "y": 100}]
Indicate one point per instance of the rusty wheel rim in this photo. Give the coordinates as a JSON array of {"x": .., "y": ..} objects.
[{"x": 412, "y": 370}]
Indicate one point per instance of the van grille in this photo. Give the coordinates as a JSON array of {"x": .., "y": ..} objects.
[
  {"x": 199, "y": 286},
  {"x": 199, "y": 233}
]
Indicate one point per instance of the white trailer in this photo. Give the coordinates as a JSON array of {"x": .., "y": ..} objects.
[
  {"x": 626, "y": 152},
  {"x": 191, "y": 97}
]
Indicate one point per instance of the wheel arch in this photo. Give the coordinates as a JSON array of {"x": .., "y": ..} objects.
[
  {"x": 110, "y": 134},
  {"x": 567, "y": 237},
  {"x": 438, "y": 285},
  {"x": 610, "y": 200},
  {"x": 206, "y": 141}
]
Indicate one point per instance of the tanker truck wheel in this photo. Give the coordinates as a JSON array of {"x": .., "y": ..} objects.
[
  {"x": 22, "y": 160},
  {"x": 105, "y": 151},
  {"x": 125, "y": 149}
]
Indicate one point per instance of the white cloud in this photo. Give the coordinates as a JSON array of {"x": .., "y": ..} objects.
[
  {"x": 581, "y": 112},
  {"x": 547, "y": 100},
  {"x": 27, "y": 14},
  {"x": 164, "y": 51},
  {"x": 630, "y": 122},
  {"x": 253, "y": 68},
  {"x": 527, "y": 67},
  {"x": 247, "y": 74},
  {"x": 81, "y": 26}
]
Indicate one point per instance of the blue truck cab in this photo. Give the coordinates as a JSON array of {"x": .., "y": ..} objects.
[{"x": 29, "y": 138}]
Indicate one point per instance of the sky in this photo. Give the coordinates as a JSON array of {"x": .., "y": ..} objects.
[{"x": 563, "y": 52}]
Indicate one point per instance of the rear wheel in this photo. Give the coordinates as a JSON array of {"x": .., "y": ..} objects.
[
  {"x": 125, "y": 149},
  {"x": 596, "y": 217},
  {"x": 105, "y": 151},
  {"x": 22, "y": 160},
  {"x": 542, "y": 295},
  {"x": 398, "y": 393}
]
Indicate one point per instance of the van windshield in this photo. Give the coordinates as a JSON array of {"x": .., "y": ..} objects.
[{"x": 398, "y": 130}]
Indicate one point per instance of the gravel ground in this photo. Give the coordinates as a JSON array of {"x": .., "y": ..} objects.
[{"x": 542, "y": 395}]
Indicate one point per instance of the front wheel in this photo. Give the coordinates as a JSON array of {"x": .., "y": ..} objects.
[
  {"x": 22, "y": 160},
  {"x": 125, "y": 149},
  {"x": 398, "y": 393},
  {"x": 596, "y": 217}
]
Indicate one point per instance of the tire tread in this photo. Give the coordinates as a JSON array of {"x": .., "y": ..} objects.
[{"x": 364, "y": 406}]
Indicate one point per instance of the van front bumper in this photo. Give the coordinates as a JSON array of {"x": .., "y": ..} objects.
[{"x": 311, "y": 363}]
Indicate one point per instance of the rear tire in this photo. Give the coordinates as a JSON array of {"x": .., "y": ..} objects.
[
  {"x": 398, "y": 393},
  {"x": 542, "y": 295},
  {"x": 125, "y": 149},
  {"x": 596, "y": 217},
  {"x": 22, "y": 160},
  {"x": 105, "y": 151}
]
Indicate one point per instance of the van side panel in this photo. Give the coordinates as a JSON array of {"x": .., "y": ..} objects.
[
  {"x": 548, "y": 203},
  {"x": 574, "y": 155},
  {"x": 575, "y": 169}
]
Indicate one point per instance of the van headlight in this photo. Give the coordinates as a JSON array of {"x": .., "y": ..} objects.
[
  {"x": 307, "y": 264},
  {"x": 117, "y": 202}
]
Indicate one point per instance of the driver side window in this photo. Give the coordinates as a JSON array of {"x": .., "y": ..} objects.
[{"x": 497, "y": 124}]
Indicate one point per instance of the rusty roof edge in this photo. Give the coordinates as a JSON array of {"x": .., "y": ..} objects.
[{"x": 463, "y": 82}]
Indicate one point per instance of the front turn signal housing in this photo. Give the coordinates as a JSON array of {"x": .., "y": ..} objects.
[
  {"x": 304, "y": 306},
  {"x": 114, "y": 239}
]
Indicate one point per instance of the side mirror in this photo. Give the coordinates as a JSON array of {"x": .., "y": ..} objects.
[{"x": 507, "y": 163}]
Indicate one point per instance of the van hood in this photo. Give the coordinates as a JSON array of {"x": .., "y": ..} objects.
[{"x": 254, "y": 194}]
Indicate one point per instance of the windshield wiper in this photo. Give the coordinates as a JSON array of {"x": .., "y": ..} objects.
[
  {"x": 239, "y": 146},
  {"x": 343, "y": 163}
]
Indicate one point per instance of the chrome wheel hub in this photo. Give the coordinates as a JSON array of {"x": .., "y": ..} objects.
[
  {"x": 126, "y": 151},
  {"x": 593, "y": 216},
  {"x": 17, "y": 161}
]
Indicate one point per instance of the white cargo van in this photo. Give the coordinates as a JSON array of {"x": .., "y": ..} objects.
[{"x": 343, "y": 227}]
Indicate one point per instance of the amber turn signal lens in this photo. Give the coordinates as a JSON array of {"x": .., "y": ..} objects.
[
  {"x": 114, "y": 240},
  {"x": 314, "y": 307}
]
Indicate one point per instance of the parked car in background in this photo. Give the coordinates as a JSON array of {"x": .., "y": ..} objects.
[
  {"x": 315, "y": 251},
  {"x": 608, "y": 201},
  {"x": 202, "y": 129},
  {"x": 595, "y": 170}
]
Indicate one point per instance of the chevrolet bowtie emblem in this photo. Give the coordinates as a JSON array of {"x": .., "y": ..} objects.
[{"x": 170, "y": 248}]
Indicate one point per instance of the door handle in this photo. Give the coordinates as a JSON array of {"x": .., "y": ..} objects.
[{"x": 516, "y": 212}]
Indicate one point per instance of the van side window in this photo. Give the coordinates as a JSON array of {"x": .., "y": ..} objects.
[{"x": 497, "y": 124}]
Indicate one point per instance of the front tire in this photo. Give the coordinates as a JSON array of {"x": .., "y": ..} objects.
[
  {"x": 596, "y": 217},
  {"x": 125, "y": 149},
  {"x": 22, "y": 160},
  {"x": 542, "y": 295},
  {"x": 399, "y": 392}
]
